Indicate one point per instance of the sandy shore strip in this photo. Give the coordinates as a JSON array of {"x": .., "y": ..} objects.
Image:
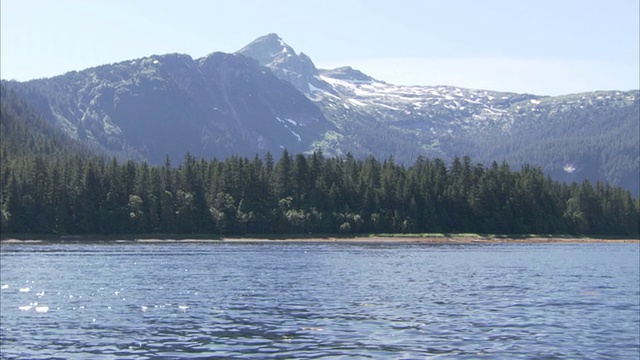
[
  {"x": 362, "y": 240},
  {"x": 439, "y": 240}
]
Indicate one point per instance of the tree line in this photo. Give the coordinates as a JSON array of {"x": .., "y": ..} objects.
[
  {"x": 302, "y": 194},
  {"x": 52, "y": 184}
]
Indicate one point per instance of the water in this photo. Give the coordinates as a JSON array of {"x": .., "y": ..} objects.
[{"x": 313, "y": 300}]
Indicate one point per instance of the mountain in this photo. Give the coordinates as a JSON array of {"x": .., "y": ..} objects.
[
  {"x": 592, "y": 135},
  {"x": 266, "y": 97},
  {"x": 150, "y": 108}
]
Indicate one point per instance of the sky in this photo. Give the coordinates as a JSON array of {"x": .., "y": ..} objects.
[{"x": 544, "y": 47}]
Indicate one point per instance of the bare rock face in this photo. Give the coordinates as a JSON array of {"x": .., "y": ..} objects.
[{"x": 298, "y": 69}]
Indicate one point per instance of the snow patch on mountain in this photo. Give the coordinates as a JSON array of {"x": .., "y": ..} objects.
[
  {"x": 356, "y": 102},
  {"x": 295, "y": 134},
  {"x": 292, "y": 122}
]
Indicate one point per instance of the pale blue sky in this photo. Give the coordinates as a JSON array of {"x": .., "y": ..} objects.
[{"x": 542, "y": 47}]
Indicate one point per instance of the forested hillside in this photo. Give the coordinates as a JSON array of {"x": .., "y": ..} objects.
[
  {"x": 266, "y": 97},
  {"x": 28, "y": 141},
  {"x": 51, "y": 184},
  {"x": 26, "y": 134},
  {"x": 589, "y": 139}
]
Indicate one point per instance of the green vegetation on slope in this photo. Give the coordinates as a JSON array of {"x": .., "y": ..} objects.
[{"x": 50, "y": 187}]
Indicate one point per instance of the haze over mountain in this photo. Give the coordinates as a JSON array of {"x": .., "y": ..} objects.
[{"x": 267, "y": 97}]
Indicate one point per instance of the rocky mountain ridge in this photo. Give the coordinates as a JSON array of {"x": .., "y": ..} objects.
[{"x": 267, "y": 97}]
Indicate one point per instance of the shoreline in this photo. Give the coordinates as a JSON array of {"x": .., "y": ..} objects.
[{"x": 353, "y": 240}]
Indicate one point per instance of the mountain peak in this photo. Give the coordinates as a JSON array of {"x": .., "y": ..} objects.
[
  {"x": 271, "y": 51},
  {"x": 272, "y": 37},
  {"x": 267, "y": 49}
]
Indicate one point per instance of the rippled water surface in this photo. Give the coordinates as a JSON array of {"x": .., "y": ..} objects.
[{"x": 313, "y": 300}]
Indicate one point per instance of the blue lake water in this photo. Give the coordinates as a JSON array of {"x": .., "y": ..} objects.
[{"x": 320, "y": 300}]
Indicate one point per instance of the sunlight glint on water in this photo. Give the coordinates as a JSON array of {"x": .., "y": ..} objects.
[{"x": 310, "y": 300}]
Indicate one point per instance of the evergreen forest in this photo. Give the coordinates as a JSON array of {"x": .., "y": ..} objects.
[{"x": 53, "y": 185}]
